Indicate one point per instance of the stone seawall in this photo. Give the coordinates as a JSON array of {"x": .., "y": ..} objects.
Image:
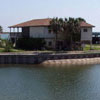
[
  {"x": 40, "y": 58},
  {"x": 18, "y": 59},
  {"x": 84, "y": 61}
]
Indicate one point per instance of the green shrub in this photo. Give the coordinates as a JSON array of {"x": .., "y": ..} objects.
[
  {"x": 7, "y": 46},
  {"x": 30, "y": 43}
]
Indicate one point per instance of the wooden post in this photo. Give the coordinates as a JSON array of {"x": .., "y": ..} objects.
[
  {"x": 17, "y": 32},
  {"x": 13, "y": 30},
  {"x": 15, "y": 35},
  {"x": 10, "y": 29},
  {"x": 10, "y": 34}
]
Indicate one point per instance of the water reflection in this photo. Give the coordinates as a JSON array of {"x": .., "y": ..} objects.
[{"x": 31, "y": 82}]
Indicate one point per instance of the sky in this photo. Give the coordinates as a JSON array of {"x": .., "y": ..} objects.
[{"x": 17, "y": 11}]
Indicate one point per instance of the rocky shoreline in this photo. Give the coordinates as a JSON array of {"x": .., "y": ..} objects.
[{"x": 84, "y": 61}]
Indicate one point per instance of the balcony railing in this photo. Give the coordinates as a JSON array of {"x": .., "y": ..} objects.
[{"x": 15, "y": 34}]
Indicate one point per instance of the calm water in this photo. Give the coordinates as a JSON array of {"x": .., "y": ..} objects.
[
  {"x": 4, "y": 36},
  {"x": 28, "y": 82}
]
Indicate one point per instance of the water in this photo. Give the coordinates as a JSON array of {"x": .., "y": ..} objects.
[
  {"x": 31, "y": 82},
  {"x": 4, "y": 36}
]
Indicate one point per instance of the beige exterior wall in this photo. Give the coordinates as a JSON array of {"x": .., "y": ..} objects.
[
  {"x": 40, "y": 32},
  {"x": 86, "y": 36},
  {"x": 52, "y": 43}
]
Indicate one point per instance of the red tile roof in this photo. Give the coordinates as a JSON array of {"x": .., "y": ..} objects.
[
  {"x": 84, "y": 24},
  {"x": 37, "y": 22},
  {"x": 43, "y": 22}
]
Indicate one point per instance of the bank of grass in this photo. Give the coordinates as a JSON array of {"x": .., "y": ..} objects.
[
  {"x": 94, "y": 47},
  {"x": 11, "y": 50}
]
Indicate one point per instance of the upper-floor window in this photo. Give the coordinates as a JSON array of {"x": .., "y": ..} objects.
[{"x": 85, "y": 30}]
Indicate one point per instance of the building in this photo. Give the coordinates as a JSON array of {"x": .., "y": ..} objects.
[
  {"x": 39, "y": 29},
  {"x": 96, "y": 37},
  {"x": 4, "y": 35}
]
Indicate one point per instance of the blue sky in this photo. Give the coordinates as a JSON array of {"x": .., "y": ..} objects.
[{"x": 16, "y": 11}]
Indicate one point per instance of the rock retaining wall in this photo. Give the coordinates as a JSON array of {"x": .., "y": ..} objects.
[
  {"x": 40, "y": 58},
  {"x": 84, "y": 61}
]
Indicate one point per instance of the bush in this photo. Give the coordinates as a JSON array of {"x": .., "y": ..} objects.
[
  {"x": 7, "y": 46},
  {"x": 30, "y": 43}
]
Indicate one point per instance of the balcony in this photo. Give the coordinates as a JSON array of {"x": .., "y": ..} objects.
[{"x": 15, "y": 34}]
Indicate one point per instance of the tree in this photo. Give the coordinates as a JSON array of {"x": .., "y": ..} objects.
[
  {"x": 55, "y": 27},
  {"x": 81, "y": 19},
  {"x": 8, "y": 45},
  {"x": 74, "y": 29},
  {"x": 69, "y": 26},
  {"x": 1, "y": 30}
]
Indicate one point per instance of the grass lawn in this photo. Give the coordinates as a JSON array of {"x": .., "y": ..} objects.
[
  {"x": 94, "y": 47},
  {"x": 12, "y": 50}
]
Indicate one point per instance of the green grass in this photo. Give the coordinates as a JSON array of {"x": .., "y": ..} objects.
[
  {"x": 12, "y": 50},
  {"x": 94, "y": 47},
  {"x": 86, "y": 49}
]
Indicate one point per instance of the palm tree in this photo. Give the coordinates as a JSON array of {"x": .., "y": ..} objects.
[
  {"x": 74, "y": 30},
  {"x": 70, "y": 27},
  {"x": 81, "y": 19},
  {"x": 56, "y": 27},
  {"x": 71, "y": 30}
]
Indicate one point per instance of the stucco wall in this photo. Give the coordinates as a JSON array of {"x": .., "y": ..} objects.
[
  {"x": 86, "y": 36},
  {"x": 40, "y": 32},
  {"x": 52, "y": 43}
]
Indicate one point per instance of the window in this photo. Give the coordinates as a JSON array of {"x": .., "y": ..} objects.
[
  {"x": 49, "y": 43},
  {"x": 85, "y": 30}
]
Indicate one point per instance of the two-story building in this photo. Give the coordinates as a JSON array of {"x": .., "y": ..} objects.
[{"x": 39, "y": 29}]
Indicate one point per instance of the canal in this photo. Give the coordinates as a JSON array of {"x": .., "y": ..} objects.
[{"x": 32, "y": 82}]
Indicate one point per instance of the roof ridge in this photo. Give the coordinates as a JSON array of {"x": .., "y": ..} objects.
[
  {"x": 43, "y": 22},
  {"x": 37, "y": 19},
  {"x": 30, "y": 21}
]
